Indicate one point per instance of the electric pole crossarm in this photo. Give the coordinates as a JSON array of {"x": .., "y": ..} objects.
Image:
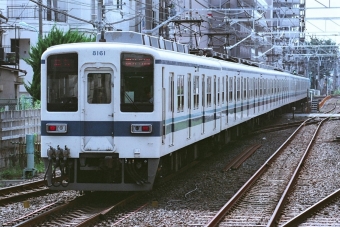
[{"x": 66, "y": 14}]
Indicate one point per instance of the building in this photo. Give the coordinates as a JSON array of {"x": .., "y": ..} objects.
[{"x": 263, "y": 31}]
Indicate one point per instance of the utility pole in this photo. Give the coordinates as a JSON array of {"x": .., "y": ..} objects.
[
  {"x": 40, "y": 19},
  {"x": 100, "y": 26}
]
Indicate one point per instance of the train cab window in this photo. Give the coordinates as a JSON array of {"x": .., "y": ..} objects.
[
  {"x": 62, "y": 83},
  {"x": 196, "y": 92},
  {"x": 137, "y": 83},
  {"x": 99, "y": 88}
]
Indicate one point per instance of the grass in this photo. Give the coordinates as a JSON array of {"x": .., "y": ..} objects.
[{"x": 16, "y": 172}]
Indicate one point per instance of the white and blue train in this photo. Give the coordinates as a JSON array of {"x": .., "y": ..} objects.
[{"x": 120, "y": 113}]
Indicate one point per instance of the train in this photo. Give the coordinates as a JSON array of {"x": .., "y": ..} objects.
[{"x": 124, "y": 112}]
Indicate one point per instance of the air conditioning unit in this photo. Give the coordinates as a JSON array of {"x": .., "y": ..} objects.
[
  {"x": 1, "y": 88},
  {"x": 20, "y": 80},
  {"x": 11, "y": 57}
]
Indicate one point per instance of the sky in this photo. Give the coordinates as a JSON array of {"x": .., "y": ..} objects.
[{"x": 324, "y": 22}]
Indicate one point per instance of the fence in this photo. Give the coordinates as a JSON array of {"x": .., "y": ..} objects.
[
  {"x": 14, "y": 126},
  {"x": 23, "y": 103}
]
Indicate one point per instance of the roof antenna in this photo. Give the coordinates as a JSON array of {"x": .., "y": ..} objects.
[{"x": 102, "y": 38}]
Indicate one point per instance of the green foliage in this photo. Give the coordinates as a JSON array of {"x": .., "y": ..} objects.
[
  {"x": 11, "y": 173},
  {"x": 26, "y": 103},
  {"x": 321, "y": 60},
  {"x": 336, "y": 92},
  {"x": 54, "y": 37},
  {"x": 16, "y": 172}
]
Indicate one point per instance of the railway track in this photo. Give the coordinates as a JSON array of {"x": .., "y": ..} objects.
[
  {"x": 261, "y": 199},
  {"x": 81, "y": 211},
  {"x": 90, "y": 208},
  {"x": 313, "y": 216},
  {"x": 92, "y": 214},
  {"x": 23, "y": 191}
]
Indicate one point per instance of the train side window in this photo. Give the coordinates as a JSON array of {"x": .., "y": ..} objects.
[
  {"x": 275, "y": 86},
  {"x": 222, "y": 94},
  {"x": 256, "y": 86},
  {"x": 218, "y": 91},
  {"x": 230, "y": 89},
  {"x": 196, "y": 92},
  {"x": 238, "y": 89},
  {"x": 99, "y": 88},
  {"x": 226, "y": 88},
  {"x": 244, "y": 88},
  {"x": 272, "y": 86},
  {"x": 249, "y": 89},
  {"x": 180, "y": 93},
  {"x": 209, "y": 91}
]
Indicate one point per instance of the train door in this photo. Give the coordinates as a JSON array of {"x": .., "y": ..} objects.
[
  {"x": 270, "y": 93},
  {"x": 189, "y": 105},
  {"x": 235, "y": 91},
  {"x": 215, "y": 102},
  {"x": 231, "y": 98},
  {"x": 242, "y": 89},
  {"x": 248, "y": 95},
  {"x": 172, "y": 109},
  {"x": 227, "y": 98},
  {"x": 255, "y": 95},
  {"x": 164, "y": 101},
  {"x": 219, "y": 102},
  {"x": 98, "y": 110},
  {"x": 203, "y": 103}
]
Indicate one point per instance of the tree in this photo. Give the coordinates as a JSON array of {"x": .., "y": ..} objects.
[
  {"x": 323, "y": 55},
  {"x": 54, "y": 37}
]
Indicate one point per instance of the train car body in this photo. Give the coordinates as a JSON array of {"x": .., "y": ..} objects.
[{"x": 115, "y": 115}]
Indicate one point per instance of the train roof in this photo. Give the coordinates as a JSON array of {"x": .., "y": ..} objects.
[
  {"x": 217, "y": 60},
  {"x": 159, "y": 42}
]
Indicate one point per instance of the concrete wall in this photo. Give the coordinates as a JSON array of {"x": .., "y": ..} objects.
[{"x": 14, "y": 126}]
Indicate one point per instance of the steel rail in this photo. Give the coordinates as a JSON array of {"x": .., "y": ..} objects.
[
  {"x": 239, "y": 157},
  {"x": 280, "y": 205},
  {"x": 227, "y": 207},
  {"x": 312, "y": 210}
]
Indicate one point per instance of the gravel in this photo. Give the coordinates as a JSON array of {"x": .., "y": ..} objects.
[{"x": 194, "y": 197}]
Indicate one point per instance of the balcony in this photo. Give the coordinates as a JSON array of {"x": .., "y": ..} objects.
[
  {"x": 7, "y": 57},
  {"x": 32, "y": 12}
]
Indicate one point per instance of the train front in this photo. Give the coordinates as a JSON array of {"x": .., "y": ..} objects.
[{"x": 100, "y": 124}]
